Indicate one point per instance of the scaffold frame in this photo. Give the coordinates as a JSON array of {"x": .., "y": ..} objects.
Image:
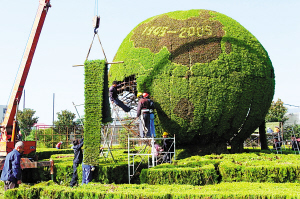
[{"x": 153, "y": 158}]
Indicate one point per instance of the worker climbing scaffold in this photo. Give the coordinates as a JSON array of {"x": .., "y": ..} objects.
[{"x": 113, "y": 96}]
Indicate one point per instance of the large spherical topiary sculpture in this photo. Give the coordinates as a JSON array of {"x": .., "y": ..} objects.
[{"x": 211, "y": 79}]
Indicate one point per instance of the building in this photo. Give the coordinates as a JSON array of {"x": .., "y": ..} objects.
[
  {"x": 294, "y": 118},
  {"x": 2, "y": 112}
]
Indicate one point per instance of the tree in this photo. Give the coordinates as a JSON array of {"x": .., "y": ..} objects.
[
  {"x": 65, "y": 121},
  {"x": 263, "y": 136},
  {"x": 289, "y": 130},
  {"x": 277, "y": 112},
  {"x": 26, "y": 120}
]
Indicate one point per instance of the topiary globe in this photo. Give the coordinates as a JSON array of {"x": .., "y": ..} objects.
[{"x": 211, "y": 79}]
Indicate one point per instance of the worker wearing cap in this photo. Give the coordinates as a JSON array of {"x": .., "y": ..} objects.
[
  {"x": 168, "y": 148},
  {"x": 113, "y": 96},
  {"x": 151, "y": 111},
  {"x": 58, "y": 145},
  {"x": 143, "y": 111},
  {"x": 11, "y": 173},
  {"x": 278, "y": 133}
]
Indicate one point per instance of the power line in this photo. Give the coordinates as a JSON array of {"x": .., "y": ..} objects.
[{"x": 291, "y": 105}]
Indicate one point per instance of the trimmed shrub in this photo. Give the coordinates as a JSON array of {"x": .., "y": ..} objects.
[
  {"x": 210, "y": 78},
  {"x": 105, "y": 172},
  {"x": 46, "y": 153},
  {"x": 193, "y": 176}
]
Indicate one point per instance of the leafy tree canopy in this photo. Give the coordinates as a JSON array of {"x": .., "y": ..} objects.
[
  {"x": 65, "y": 120},
  {"x": 26, "y": 120},
  {"x": 276, "y": 112}
]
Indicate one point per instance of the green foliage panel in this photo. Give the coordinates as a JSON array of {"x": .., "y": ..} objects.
[
  {"x": 208, "y": 75},
  {"x": 93, "y": 92}
]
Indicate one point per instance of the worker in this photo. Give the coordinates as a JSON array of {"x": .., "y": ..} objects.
[
  {"x": 269, "y": 130},
  {"x": 78, "y": 157},
  {"x": 87, "y": 171},
  {"x": 4, "y": 136},
  {"x": 58, "y": 145},
  {"x": 113, "y": 96},
  {"x": 11, "y": 173},
  {"x": 144, "y": 113},
  {"x": 151, "y": 111},
  {"x": 168, "y": 148},
  {"x": 156, "y": 149},
  {"x": 278, "y": 133},
  {"x": 2, "y": 133},
  {"x": 139, "y": 95},
  {"x": 19, "y": 135},
  {"x": 277, "y": 143}
]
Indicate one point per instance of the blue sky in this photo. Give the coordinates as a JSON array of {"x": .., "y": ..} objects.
[{"x": 68, "y": 32}]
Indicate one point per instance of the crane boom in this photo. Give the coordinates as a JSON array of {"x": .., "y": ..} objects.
[{"x": 25, "y": 64}]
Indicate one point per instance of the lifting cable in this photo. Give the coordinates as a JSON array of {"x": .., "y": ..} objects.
[{"x": 96, "y": 23}]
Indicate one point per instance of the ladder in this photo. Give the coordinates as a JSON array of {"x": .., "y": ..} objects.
[
  {"x": 294, "y": 142},
  {"x": 277, "y": 142},
  {"x": 148, "y": 152},
  {"x": 108, "y": 136}
]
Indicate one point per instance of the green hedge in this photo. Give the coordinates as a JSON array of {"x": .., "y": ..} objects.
[
  {"x": 95, "y": 108},
  {"x": 46, "y": 153},
  {"x": 262, "y": 168},
  {"x": 193, "y": 176},
  {"x": 227, "y": 168},
  {"x": 114, "y": 173},
  {"x": 195, "y": 170},
  {"x": 210, "y": 78},
  {"x": 95, "y": 190},
  {"x": 105, "y": 172}
]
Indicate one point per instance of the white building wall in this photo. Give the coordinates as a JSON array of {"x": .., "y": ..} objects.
[
  {"x": 2, "y": 112},
  {"x": 294, "y": 118}
]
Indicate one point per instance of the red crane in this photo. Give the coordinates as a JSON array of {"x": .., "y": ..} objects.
[{"x": 9, "y": 120}]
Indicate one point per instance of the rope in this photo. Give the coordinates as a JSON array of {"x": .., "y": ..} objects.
[
  {"x": 90, "y": 47},
  {"x": 102, "y": 48}
]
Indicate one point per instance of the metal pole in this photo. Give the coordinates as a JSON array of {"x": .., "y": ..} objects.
[
  {"x": 53, "y": 109},
  {"x": 153, "y": 151},
  {"x": 128, "y": 160},
  {"x": 24, "y": 100}
]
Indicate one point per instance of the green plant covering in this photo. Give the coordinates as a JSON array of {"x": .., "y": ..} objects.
[
  {"x": 96, "y": 108},
  {"x": 243, "y": 190},
  {"x": 211, "y": 79}
]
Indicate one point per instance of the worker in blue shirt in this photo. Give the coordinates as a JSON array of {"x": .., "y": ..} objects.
[
  {"x": 87, "y": 173},
  {"x": 11, "y": 173},
  {"x": 78, "y": 156}
]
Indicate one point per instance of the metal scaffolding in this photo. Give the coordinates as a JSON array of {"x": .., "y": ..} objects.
[{"x": 145, "y": 148}]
